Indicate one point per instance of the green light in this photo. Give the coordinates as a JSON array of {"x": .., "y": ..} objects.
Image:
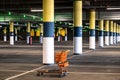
[
  {"x": 24, "y": 15},
  {"x": 41, "y": 19},
  {"x": 65, "y": 23},
  {"x": 9, "y": 13},
  {"x": 60, "y": 22},
  {"x": 33, "y": 17}
]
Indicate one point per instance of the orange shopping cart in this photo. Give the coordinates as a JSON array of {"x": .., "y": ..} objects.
[{"x": 62, "y": 63}]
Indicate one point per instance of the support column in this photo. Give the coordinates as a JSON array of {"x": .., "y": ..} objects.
[
  {"x": 92, "y": 30},
  {"x": 16, "y": 36},
  {"x": 114, "y": 34},
  {"x": 41, "y": 33},
  {"x": 111, "y": 32},
  {"x": 11, "y": 33},
  {"x": 101, "y": 43},
  {"x": 48, "y": 29},
  {"x": 65, "y": 34},
  {"x": 28, "y": 33},
  {"x": 106, "y": 32},
  {"x": 77, "y": 40},
  {"x": 117, "y": 33},
  {"x": 5, "y": 35},
  {"x": 59, "y": 36}
]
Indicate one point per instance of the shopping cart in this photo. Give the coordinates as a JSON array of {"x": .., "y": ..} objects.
[{"x": 62, "y": 63}]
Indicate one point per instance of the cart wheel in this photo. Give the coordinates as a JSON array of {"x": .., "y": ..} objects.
[
  {"x": 38, "y": 74},
  {"x": 65, "y": 74},
  {"x": 61, "y": 75},
  {"x": 41, "y": 73}
]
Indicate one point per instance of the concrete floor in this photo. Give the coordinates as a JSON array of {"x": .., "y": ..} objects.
[{"x": 20, "y": 62}]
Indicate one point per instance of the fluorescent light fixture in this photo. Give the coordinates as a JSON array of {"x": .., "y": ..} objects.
[
  {"x": 36, "y": 10},
  {"x": 113, "y": 8}
]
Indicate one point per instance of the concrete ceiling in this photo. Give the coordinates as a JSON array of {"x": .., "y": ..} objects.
[{"x": 20, "y": 10}]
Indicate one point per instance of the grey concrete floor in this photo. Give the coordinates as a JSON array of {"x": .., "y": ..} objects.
[{"x": 16, "y": 62}]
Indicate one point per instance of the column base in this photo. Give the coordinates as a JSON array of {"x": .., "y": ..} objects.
[
  {"x": 77, "y": 53},
  {"x": 48, "y": 64},
  {"x": 91, "y": 49}
]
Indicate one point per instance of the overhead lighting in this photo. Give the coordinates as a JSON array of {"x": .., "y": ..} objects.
[
  {"x": 9, "y": 13},
  {"x": 36, "y": 10},
  {"x": 113, "y": 8}
]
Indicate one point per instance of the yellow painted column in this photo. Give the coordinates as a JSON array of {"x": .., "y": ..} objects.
[
  {"x": 16, "y": 36},
  {"x": 107, "y": 32},
  {"x": 5, "y": 34},
  {"x": 92, "y": 29},
  {"x": 111, "y": 32},
  {"x": 77, "y": 39},
  {"x": 11, "y": 33},
  {"x": 101, "y": 40},
  {"x": 48, "y": 31},
  {"x": 28, "y": 33},
  {"x": 117, "y": 33}
]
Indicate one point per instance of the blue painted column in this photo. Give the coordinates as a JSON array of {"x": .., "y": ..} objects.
[
  {"x": 106, "y": 32},
  {"x": 77, "y": 39},
  {"x": 92, "y": 30},
  {"x": 59, "y": 35},
  {"x": 117, "y": 35},
  {"x": 11, "y": 33},
  {"x": 28, "y": 33},
  {"x": 5, "y": 35},
  {"x": 41, "y": 33},
  {"x": 114, "y": 34},
  {"x": 111, "y": 32},
  {"x": 66, "y": 34},
  {"x": 16, "y": 36},
  {"x": 101, "y": 41},
  {"x": 48, "y": 32}
]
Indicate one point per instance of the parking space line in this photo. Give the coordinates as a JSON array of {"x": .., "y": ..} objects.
[
  {"x": 24, "y": 73},
  {"x": 77, "y": 55},
  {"x": 94, "y": 73},
  {"x": 37, "y": 69},
  {"x": 13, "y": 70}
]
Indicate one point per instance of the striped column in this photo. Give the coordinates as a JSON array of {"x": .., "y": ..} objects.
[
  {"x": 41, "y": 33},
  {"x": 114, "y": 34},
  {"x": 101, "y": 43},
  {"x": 11, "y": 33},
  {"x": 111, "y": 32},
  {"x": 5, "y": 35},
  {"x": 92, "y": 30},
  {"x": 106, "y": 32},
  {"x": 65, "y": 34},
  {"x": 28, "y": 33},
  {"x": 16, "y": 36},
  {"x": 117, "y": 33},
  {"x": 48, "y": 29},
  {"x": 59, "y": 36},
  {"x": 77, "y": 40}
]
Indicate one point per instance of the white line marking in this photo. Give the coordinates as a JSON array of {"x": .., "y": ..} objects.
[
  {"x": 94, "y": 73},
  {"x": 13, "y": 70},
  {"x": 23, "y": 73},
  {"x": 77, "y": 55},
  {"x": 35, "y": 69},
  {"x": 87, "y": 51}
]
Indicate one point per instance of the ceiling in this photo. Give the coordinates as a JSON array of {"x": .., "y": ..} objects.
[{"x": 63, "y": 9}]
